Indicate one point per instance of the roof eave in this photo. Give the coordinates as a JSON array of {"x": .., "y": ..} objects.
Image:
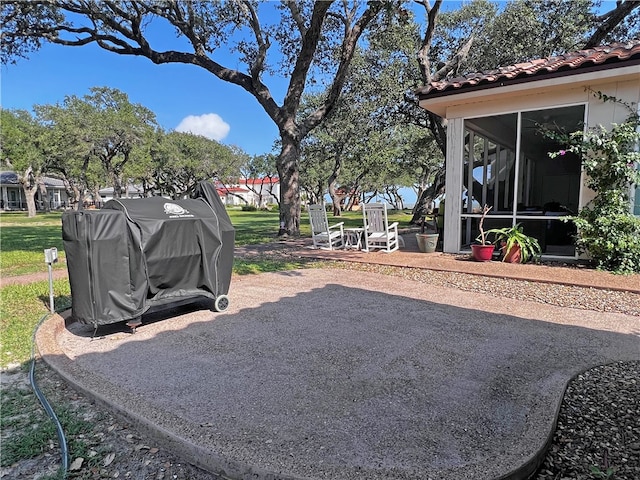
[{"x": 438, "y": 101}]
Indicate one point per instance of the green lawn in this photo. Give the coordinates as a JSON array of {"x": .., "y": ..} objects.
[
  {"x": 23, "y": 241},
  {"x": 262, "y": 227}
]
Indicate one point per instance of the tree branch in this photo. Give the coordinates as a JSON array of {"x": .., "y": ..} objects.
[
  {"x": 305, "y": 57},
  {"x": 257, "y": 66},
  {"x": 423, "y": 54},
  {"x": 611, "y": 20},
  {"x": 297, "y": 16},
  {"x": 349, "y": 43},
  {"x": 454, "y": 62}
]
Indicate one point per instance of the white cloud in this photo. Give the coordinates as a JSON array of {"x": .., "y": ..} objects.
[{"x": 209, "y": 125}]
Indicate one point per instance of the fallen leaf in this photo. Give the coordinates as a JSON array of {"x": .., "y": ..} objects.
[
  {"x": 76, "y": 464},
  {"x": 108, "y": 459}
]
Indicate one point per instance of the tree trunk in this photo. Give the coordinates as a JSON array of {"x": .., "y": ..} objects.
[
  {"x": 30, "y": 197},
  {"x": 97, "y": 199},
  {"x": 117, "y": 186},
  {"x": 336, "y": 199},
  {"x": 44, "y": 197},
  {"x": 288, "y": 165},
  {"x": 29, "y": 183},
  {"x": 427, "y": 197},
  {"x": 74, "y": 199}
]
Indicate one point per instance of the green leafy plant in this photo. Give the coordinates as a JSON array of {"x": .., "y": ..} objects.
[
  {"x": 597, "y": 473},
  {"x": 607, "y": 229},
  {"x": 512, "y": 237}
]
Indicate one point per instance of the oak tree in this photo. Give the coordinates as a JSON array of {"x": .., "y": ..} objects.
[{"x": 306, "y": 42}]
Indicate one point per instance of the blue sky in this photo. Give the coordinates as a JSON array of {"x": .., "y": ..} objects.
[{"x": 172, "y": 92}]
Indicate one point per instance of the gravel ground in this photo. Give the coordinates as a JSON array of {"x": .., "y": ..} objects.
[
  {"x": 597, "y": 436},
  {"x": 594, "y": 299},
  {"x": 598, "y": 433}
]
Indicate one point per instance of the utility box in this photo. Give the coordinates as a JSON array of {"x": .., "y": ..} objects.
[{"x": 134, "y": 254}]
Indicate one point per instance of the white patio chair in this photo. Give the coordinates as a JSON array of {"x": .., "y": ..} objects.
[
  {"x": 377, "y": 231},
  {"x": 324, "y": 236}
]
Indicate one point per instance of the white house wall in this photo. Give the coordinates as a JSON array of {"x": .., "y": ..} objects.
[{"x": 606, "y": 113}]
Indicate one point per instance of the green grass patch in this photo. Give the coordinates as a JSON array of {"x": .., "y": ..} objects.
[
  {"x": 32, "y": 433},
  {"x": 21, "y": 219},
  {"x": 243, "y": 266},
  {"x": 255, "y": 227},
  {"x": 23, "y": 240},
  {"x": 21, "y": 413},
  {"x": 22, "y": 308}
]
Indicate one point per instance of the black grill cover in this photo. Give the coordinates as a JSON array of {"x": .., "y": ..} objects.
[{"x": 137, "y": 253}]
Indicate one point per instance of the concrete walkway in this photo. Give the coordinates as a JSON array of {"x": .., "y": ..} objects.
[{"x": 309, "y": 375}]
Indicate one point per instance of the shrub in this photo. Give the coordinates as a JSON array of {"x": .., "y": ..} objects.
[
  {"x": 249, "y": 208},
  {"x": 613, "y": 241},
  {"x": 607, "y": 229}
]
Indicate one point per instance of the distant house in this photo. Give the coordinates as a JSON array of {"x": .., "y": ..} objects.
[
  {"x": 132, "y": 191},
  {"x": 12, "y": 195},
  {"x": 256, "y": 192},
  {"x": 498, "y": 151}
]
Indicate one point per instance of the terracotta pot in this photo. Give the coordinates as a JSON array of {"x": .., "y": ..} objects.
[
  {"x": 514, "y": 255},
  {"x": 482, "y": 253}
]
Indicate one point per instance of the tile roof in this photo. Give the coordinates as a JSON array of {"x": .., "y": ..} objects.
[{"x": 596, "y": 58}]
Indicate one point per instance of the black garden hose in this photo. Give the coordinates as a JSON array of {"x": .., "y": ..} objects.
[{"x": 64, "y": 451}]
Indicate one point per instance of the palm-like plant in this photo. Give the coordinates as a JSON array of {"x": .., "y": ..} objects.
[{"x": 510, "y": 237}]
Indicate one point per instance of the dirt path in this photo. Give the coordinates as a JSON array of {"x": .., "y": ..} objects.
[{"x": 32, "y": 277}]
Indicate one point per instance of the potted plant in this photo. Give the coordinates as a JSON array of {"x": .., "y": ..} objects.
[
  {"x": 516, "y": 247},
  {"x": 483, "y": 251},
  {"x": 427, "y": 238}
]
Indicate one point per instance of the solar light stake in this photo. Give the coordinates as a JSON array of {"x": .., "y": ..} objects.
[{"x": 51, "y": 257}]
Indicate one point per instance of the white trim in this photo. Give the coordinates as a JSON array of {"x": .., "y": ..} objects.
[
  {"x": 453, "y": 201},
  {"x": 516, "y": 172},
  {"x": 531, "y": 109}
]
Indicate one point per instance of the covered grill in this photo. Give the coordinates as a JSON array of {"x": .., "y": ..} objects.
[{"x": 138, "y": 253}]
